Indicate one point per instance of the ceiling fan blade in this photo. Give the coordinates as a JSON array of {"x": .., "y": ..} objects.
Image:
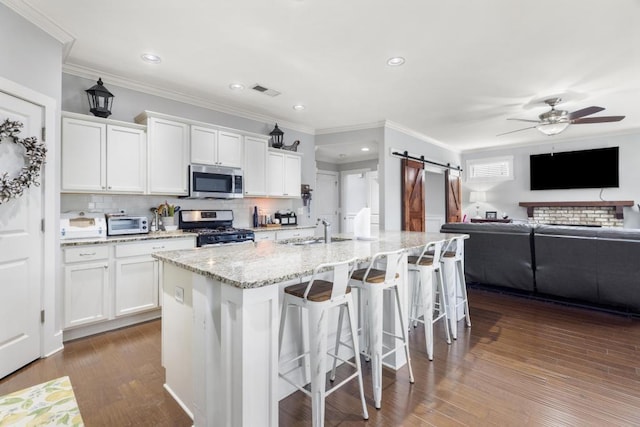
[
  {"x": 585, "y": 112},
  {"x": 526, "y": 120},
  {"x": 603, "y": 119},
  {"x": 518, "y": 130}
]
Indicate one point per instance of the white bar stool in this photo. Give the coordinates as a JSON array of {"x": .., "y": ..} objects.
[
  {"x": 429, "y": 293},
  {"x": 454, "y": 283},
  {"x": 316, "y": 297},
  {"x": 373, "y": 283}
]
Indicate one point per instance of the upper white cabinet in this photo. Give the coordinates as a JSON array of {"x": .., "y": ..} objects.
[
  {"x": 215, "y": 147},
  {"x": 284, "y": 171},
  {"x": 255, "y": 166},
  {"x": 229, "y": 149},
  {"x": 168, "y": 156},
  {"x": 101, "y": 156}
]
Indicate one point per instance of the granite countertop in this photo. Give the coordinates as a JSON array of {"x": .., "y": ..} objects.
[
  {"x": 127, "y": 238},
  {"x": 253, "y": 265}
]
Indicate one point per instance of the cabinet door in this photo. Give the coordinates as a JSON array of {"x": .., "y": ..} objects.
[
  {"x": 126, "y": 160},
  {"x": 292, "y": 177},
  {"x": 265, "y": 235},
  {"x": 83, "y": 155},
  {"x": 229, "y": 149},
  {"x": 168, "y": 146},
  {"x": 204, "y": 142},
  {"x": 136, "y": 285},
  {"x": 275, "y": 174},
  {"x": 86, "y": 293},
  {"x": 255, "y": 166}
]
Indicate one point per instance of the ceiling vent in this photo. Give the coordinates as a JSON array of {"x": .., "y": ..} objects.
[{"x": 265, "y": 90}]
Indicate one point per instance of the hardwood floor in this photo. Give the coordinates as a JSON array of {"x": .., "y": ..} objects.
[{"x": 523, "y": 362}]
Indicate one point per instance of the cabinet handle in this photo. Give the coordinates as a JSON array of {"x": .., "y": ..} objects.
[
  {"x": 110, "y": 187},
  {"x": 158, "y": 247},
  {"x": 106, "y": 267},
  {"x": 87, "y": 254}
]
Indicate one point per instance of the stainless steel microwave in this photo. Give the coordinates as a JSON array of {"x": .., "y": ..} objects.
[{"x": 216, "y": 182}]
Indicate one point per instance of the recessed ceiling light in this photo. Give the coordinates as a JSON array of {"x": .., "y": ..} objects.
[
  {"x": 364, "y": 149},
  {"x": 151, "y": 58},
  {"x": 342, "y": 155},
  {"x": 395, "y": 61},
  {"x": 299, "y": 107},
  {"x": 236, "y": 86}
]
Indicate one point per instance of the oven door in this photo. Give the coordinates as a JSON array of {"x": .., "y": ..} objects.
[{"x": 215, "y": 182}]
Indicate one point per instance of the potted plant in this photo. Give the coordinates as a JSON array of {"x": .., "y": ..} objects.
[{"x": 167, "y": 212}]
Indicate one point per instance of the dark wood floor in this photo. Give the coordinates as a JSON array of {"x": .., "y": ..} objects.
[{"x": 523, "y": 362}]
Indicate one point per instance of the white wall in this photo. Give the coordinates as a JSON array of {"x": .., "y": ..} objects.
[
  {"x": 505, "y": 196},
  {"x": 390, "y": 169}
]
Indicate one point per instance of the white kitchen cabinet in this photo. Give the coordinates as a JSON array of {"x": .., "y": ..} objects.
[
  {"x": 168, "y": 146},
  {"x": 255, "y": 166},
  {"x": 284, "y": 172},
  {"x": 107, "y": 285},
  {"x": 136, "y": 284},
  {"x": 86, "y": 285},
  {"x": 229, "y": 149},
  {"x": 99, "y": 155},
  {"x": 218, "y": 148}
]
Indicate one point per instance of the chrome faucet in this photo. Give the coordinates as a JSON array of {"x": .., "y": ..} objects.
[{"x": 327, "y": 226}]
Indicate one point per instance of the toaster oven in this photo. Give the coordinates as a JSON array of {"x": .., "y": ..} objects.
[{"x": 120, "y": 224}]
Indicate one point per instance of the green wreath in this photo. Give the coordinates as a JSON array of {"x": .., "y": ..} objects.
[{"x": 35, "y": 153}]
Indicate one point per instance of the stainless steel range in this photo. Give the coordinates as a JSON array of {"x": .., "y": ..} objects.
[{"x": 213, "y": 227}]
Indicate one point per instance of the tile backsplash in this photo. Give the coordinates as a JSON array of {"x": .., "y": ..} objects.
[{"x": 141, "y": 205}]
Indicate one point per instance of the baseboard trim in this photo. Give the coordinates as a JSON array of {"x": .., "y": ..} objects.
[
  {"x": 110, "y": 325},
  {"x": 178, "y": 400}
]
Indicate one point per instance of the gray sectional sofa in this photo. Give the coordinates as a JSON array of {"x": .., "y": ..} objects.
[{"x": 598, "y": 266}]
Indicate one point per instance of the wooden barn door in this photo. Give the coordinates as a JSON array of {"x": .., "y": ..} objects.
[
  {"x": 413, "y": 218},
  {"x": 452, "y": 195}
]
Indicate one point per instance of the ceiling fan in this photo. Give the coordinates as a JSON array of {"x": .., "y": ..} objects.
[{"x": 555, "y": 121}]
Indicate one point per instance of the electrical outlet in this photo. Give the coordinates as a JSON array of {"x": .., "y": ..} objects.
[
  {"x": 301, "y": 211},
  {"x": 179, "y": 294}
]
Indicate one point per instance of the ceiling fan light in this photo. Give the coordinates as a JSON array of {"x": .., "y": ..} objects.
[{"x": 551, "y": 129}]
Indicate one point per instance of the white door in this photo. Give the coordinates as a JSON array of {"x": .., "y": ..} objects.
[
  {"x": 20, "y": 247},
  {"x": 326, "y": 198}
]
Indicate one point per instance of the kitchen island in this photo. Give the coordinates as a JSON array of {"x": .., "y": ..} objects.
[{"x": 221, "y": 319}]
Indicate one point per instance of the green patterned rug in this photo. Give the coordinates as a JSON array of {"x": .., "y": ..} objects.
[{"x": 48, "y": 404}]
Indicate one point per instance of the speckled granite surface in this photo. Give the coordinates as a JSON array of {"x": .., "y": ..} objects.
[
  {"x": 252, "y": 265},
  {"x": 128, "y": 238}
]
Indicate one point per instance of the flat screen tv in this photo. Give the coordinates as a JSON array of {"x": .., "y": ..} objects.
[{"x": 596, "y": 168}]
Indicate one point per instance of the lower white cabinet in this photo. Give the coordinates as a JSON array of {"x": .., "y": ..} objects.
[
  {"x": 260, "y": 236},
  {"x": 86, "y": 285},
  {"x": 107, "y": 282}
]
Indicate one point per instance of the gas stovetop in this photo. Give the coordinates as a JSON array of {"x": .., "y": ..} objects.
[{"x": 213, "y": 227}]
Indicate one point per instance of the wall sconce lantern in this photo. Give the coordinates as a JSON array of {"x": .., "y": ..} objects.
[
  {"x": 276, "y": 137},
  {"x": 100, "y": 100}
]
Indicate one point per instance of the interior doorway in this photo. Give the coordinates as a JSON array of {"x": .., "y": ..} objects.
[
  {"x": 359, "y": 189},
  {"x": 21, "y": 250},
  {"x": 327, "y": 198}
]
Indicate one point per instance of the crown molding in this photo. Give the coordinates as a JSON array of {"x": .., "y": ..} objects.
[
  {"x": 93, "y": 74},
  {"x": 350, "y": 128},
  {"x": 396, "y": 126},
  {"x": 43, "y": 22},
  {"x": 546, "y": 140}
]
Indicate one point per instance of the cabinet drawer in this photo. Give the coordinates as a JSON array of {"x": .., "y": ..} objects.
[
  {"x": 149, "y": 247},
  {"x": 292, "y": 234},
  {"x": 86, "y": 253}
]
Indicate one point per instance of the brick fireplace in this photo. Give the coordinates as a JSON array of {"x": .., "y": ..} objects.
[{"x": 602, "y": 213}]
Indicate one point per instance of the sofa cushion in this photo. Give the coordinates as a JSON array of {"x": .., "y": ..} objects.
[
  {"x": 566, "y": 261},
  {"x": 618, "y": 252},
  {"x": 497, "y": 253}
]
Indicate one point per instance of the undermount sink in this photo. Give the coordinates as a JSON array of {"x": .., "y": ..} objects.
[{"x": 313, "y": 241}]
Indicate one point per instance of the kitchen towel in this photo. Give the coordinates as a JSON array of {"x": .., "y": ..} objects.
[{"x": 362, "y": 224}]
